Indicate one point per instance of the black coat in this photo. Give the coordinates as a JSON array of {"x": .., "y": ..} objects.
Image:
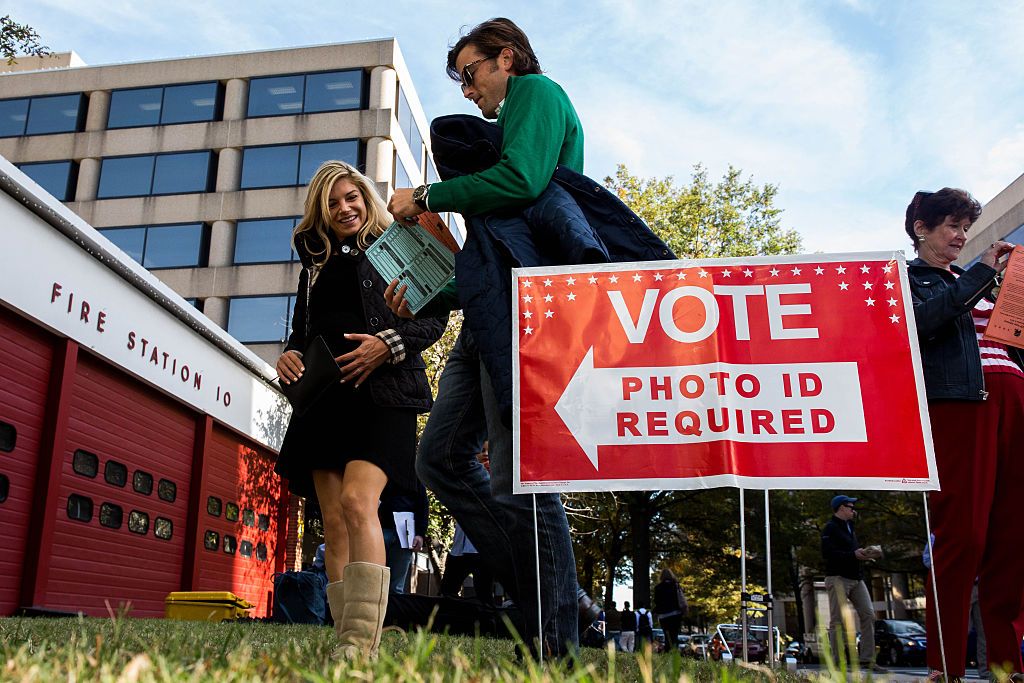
[
  {"x": 950, "y": 357},
  {"x": 391, "y": 386},
  {"x": 838, "y": 544}
]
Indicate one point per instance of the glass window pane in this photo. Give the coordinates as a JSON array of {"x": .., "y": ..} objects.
[
  {"x": 111, "y": 515},
  {"x": 5, "y": 487},
  {"x": 184, "y": 103},
  {"x": 132, "y": 241},
  {"x": 163, "y": 528},
  {"x": 334, "y": 91},
  {"x": 174, "y": 246},
  {"x": 211, "y": 540},
  {"x": 275, "y": 96},
  {"x": 213, "y": 506},
  {"x": 8, "y": 437},
  {"x": 248, "y": 517},
  {"x": 139, "y": 107},
  {"x": 180, "y": 173},
  {"x": 230, "y": 544},
  {"x": 401, "y": 175},
  {"x": 259, "y": 319},
  {"x": 53, "y": 176},
  {"x": 85, "y": 463},
  {"x": 264, "y": 522},
  {"x": 138, "y": 522},
  {"x": 167, "y": 490},
  {"x": 79, "y": 508},
  {"x": 264, "y": 241},
  {"x": 126, "y": 177},
  {"x": 432, "y": 176},
  {"x": 1015, "y": 237},
  {"x": 56, "y": 114},
  {"x": 269, "y": 166},
  {"x": 314, "y": 154},
  {"x": 245, "y": 548},
  {"x": 13, "y": 114},
  {"x": 261, "y": 551},
  {"x": 231, "y": 512},
  {"x": 115, "y": 473},
  {"x": 142, "y": 482}
]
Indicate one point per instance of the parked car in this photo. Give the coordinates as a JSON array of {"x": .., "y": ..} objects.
[
  {"x": 698, "y": 646},
  {"x": 658, "y": 636},
  {"x": 683, "y": 642},
  {"x": 729, "y": 638},
  {"x": 900, "y": 642},
  {"x": 794, "y": 649}
]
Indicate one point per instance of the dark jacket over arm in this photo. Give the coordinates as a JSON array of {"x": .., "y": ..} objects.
[{"x": 838, "y": 543}]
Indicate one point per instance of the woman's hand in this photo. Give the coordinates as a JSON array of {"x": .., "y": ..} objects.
[
  {"x": 394, "y": 296},
  {"x": 290, "y": 367},
  {"x": 995, "y": 252},
  {"x": 370, "y": 355}
]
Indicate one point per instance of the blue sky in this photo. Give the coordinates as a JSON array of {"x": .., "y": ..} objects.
[{"x": 849, "y": 106}]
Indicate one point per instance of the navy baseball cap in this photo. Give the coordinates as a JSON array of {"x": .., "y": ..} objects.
[{"x": 841, "y": 500}]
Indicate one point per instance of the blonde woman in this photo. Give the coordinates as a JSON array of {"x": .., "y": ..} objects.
[{"x": 360, "y": 435}]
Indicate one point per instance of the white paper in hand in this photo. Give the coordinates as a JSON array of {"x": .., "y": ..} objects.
[{"x": 405, "y": 525}]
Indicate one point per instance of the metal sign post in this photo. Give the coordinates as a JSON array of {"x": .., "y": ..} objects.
[{"x": 743, "y": 577}]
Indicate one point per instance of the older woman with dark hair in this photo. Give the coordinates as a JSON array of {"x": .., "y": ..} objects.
[{"x": 976, "y": 400}]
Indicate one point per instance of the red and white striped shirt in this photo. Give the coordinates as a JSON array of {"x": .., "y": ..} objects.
[{"x": 994, "y": 356}]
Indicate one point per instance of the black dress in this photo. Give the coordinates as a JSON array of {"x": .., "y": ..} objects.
[{"x": 345, "y": 424}]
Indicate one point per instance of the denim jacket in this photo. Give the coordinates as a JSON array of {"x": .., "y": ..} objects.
[
  {"x": 943, "y": 302},
  {"x": 575, "y": 220}
]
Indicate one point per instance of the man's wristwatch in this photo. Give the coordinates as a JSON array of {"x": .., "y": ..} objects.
[{"x": 419, "y": 195}]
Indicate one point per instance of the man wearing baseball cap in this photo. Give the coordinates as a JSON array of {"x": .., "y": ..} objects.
[{"x": 844, "y": 581}]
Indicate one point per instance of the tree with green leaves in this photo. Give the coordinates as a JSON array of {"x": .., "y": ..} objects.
[{"x": 19, "y": 39}]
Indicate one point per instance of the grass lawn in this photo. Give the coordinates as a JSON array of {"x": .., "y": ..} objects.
[{"x": 123, "y": 649}]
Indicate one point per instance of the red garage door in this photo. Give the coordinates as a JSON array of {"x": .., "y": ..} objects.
[
  {"x": 238, "y": 519},
  {"x": 124, "y": 488},
  {"x": 26, "y": 355}
]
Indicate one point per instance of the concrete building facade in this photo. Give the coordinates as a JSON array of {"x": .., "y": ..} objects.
[
  {"x": 197, "y": 167},
  {"x": 1001, "y": 219}
]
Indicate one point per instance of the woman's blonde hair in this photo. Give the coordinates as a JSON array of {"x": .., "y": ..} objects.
[{"x": 315, "y": 227}]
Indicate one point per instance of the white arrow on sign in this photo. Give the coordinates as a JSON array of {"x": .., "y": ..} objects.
[{"x": 751, "y": 403}]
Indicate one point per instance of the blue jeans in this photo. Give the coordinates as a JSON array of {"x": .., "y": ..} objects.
[
  {"x": 499, "y": 524},
  {"x": 398, "y": 560}
]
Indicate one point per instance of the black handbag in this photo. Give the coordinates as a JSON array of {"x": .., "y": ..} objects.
[{"x": 321, "y": 370}]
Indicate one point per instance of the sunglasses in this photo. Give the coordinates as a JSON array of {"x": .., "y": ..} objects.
[{"x": 467, "y": 74}]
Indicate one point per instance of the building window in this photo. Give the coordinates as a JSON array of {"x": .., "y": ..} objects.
[
  {"x": 142, "y": 482},
  {"x": 248, "y": 517},
  {"x": 138, "y": 522},
  {"x": 167, "y": 490},
  {"x": 291, "y": 165},
  {"x": 111, "y": 516},
  {"x": 79, "y": 508},
  {"x": 85, "y": 463},
  {"x": 245, "y": 548},
  {"x": 402, "y": 178},
  {"x": 411, "y": 131},
  {"x": 167, "y": 105},
  {"x": 306, "y": 94},
  {"x": 264, "y": 522},
  {"x": 184, "y": 245},
  {"x": 42, "y": 115},
  {"x": 230, "y": 544},
  {"x": 261, "y": 551},
  {"x": 260, "y": 319},
  {"x": 231, "y": 512},
  {"x": 5, "y": 487},
  {"x": 265, "y": 241},
  {"x": 159, "y": 174},
  {"x": 213, "y": 506},
  {"x": 56, "y": 177},
  {"x": 1015, "y": 237},
  {"x": 163, "y": 528},
  {"x": 211, "y": 540},
  {"x": 8, "y": 436},
  {"x": 115, "y": 473}
]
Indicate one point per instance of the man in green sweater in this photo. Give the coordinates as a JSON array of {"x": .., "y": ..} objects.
[{"x": 500, "y": 73}]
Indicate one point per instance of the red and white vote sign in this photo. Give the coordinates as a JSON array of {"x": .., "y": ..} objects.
[{"x": 762, "y": 372}]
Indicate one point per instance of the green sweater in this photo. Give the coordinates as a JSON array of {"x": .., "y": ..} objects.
[{"x": 540, "y": 130}]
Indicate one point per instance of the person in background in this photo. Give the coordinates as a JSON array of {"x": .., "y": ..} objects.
[
  {"x": 627, "y": 638},
  {"x": 644, "y": 626},
  {"x": 463, "y": 561},
  {"x": 975, "y": 391},
  {"x": 360, "y": 435},
  {"x": 613, "y": 625},
  {"x": 670, "y": 607},
  {"x": 399, "y": 558},
  {"x": 844, "y": 581}
]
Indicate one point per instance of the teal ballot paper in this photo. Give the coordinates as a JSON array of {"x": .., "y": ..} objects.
[{"x": 421, "y": 256}]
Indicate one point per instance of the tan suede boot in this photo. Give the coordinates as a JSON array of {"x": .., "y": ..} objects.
[
  {"x": 366, "y": 601},
  {"x": 336, "y": 600}
]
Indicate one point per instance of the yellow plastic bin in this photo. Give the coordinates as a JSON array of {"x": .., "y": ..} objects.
[{"x": 205, "y": 606}]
